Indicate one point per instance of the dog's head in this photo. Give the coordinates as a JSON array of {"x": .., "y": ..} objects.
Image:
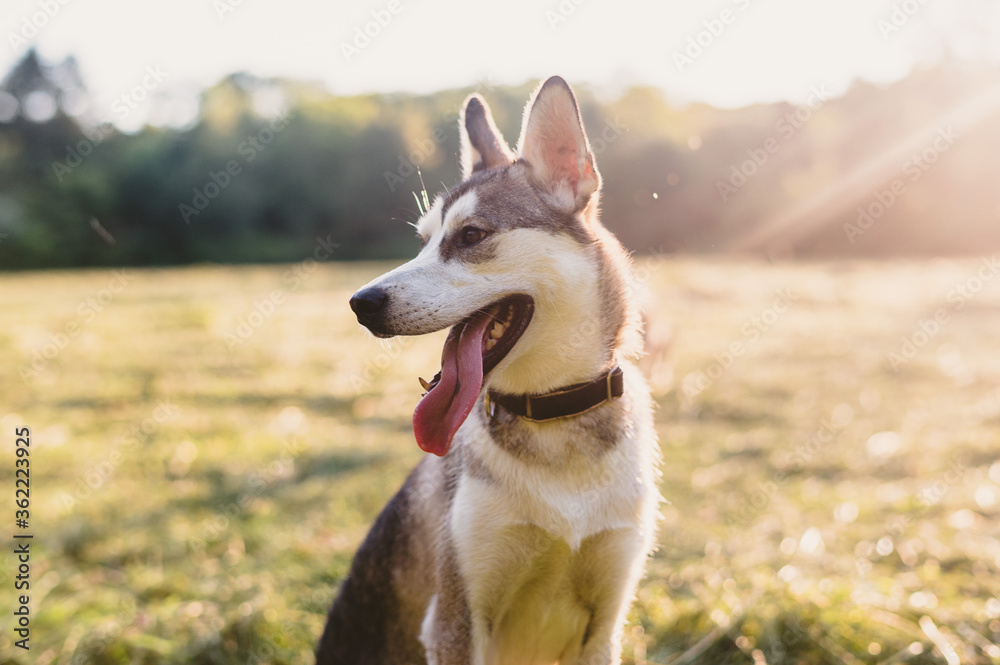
[{"x": 515, "y": 261}]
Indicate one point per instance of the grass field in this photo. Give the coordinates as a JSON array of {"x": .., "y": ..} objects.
[{"x": 207, "y": 453}]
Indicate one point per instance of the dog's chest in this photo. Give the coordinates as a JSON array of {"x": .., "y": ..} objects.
[
  {"x": 529, "y": 597},
  {"x": 540, "y": 554}
]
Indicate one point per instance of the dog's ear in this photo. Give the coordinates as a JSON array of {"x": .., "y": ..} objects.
[
  {"x": 554, "y": 144},
  {"x": 483, "y": 147}
]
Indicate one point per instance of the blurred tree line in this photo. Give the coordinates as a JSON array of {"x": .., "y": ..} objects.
[{"x": 270, "y": 166}]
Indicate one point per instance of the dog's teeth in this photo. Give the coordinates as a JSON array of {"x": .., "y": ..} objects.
[
  {"x": 497, "y": 331},
  {"x": 424, "y": 384},
  {"x": 490, "y": 343}
]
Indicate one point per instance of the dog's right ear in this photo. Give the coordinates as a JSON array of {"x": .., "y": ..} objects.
[
  {"x": 483, "y": 146},
  {"x": 555, "y": 146}
]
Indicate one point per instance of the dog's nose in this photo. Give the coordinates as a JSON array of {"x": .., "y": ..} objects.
[{"x": 367, "y": 302}]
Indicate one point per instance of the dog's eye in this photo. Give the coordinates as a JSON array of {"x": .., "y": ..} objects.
[{"x": 470, "y": 235}]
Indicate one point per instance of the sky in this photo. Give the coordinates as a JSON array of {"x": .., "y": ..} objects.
[{"x": 725, "y": 52}]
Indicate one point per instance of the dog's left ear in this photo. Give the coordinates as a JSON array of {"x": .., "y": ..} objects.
[
  {"x": 483, "y": 147},
  {"x": 554, "y": 144}
]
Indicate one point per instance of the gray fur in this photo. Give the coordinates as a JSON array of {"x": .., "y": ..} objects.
[
  {"x": 597, "y": 432},
  {"x": 376, "y": 617},
  {"x": 506, "y": 200},
  {"x": 483, "y": 146}
]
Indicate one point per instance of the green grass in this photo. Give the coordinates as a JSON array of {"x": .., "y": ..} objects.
[{"x": 196, "y": 503}]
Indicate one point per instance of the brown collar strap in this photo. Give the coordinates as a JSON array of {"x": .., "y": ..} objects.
[{"x": 569, "y": 401}]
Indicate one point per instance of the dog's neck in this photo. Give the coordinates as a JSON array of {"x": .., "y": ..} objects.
[
  {"x": 574, "y": 335},
  {"x": 542, "y": 370}
]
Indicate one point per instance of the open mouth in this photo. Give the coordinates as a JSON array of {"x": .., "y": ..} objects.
[{"x": 474, "y": 347}]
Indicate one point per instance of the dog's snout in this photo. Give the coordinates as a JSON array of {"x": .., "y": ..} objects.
[{"x": 369, "y": 302}]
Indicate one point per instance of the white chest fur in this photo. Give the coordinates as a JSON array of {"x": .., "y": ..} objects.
[{"x": 543, "y": 548}]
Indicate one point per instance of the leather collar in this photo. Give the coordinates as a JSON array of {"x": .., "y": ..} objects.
[{"x": 563, "y": 403}]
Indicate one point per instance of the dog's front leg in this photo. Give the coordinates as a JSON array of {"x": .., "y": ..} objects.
[
  {"x": 447, "y": 629},
  {"x": 612, "y": 595},
  {"x": 603, "y": 645}
]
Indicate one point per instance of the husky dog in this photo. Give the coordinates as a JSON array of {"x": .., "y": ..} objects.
[{"x": 521, "y": 540}]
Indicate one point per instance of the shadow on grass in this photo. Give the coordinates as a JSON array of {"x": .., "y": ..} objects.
[
  {"x": 326, "y": 404},
  {"x": 335, "y": 463},
  {"x": 272, "y": 479},
  {"x": 228, "y": 496}
]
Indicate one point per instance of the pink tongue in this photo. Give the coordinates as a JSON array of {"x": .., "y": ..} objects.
[{"x": 443, "y": 410}]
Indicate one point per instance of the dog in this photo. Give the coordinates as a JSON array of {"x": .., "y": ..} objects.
[{"x": 521, "y": 539}]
